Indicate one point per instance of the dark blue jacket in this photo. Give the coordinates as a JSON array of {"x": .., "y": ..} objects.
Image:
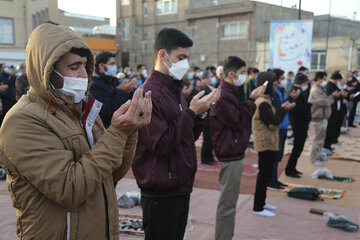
[
  {"x": 8, "y": 97},
  {"x": 103, "y": 88}
]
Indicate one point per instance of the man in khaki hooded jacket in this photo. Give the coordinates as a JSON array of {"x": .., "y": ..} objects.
[{"x": 60, "y": 162}]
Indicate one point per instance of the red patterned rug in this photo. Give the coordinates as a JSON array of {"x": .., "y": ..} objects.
[{"x": 249, "y": 169}]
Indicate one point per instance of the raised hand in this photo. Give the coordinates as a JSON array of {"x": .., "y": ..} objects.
[
  {"x": 257, "y": 92},
  {"x": 199, "y": 105},
  {"x": 134, "y": 114},
  {"x": 288, "y": 106},
  {"x": 294, "y": 94},
  {"x": 186, "y": 91}
]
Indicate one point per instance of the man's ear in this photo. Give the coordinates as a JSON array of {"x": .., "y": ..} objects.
[
  {"x": 161, "y": 55},
  {"x": 102, "y": 67}
]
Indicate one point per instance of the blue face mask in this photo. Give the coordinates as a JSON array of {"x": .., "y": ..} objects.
[
  {"x": 213, "y": 81},
  {"x": 190, "y": 76},
  {"x": 292, "y": 79},
  {"x": 255, "y": 77}
]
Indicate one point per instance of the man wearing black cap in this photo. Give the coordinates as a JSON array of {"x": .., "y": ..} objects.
[{"x": 300, "y": 117}]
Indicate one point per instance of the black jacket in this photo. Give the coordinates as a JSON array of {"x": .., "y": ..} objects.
[
  {"x": 300, "y": 115},
  {"x": 103, "y": 88}
]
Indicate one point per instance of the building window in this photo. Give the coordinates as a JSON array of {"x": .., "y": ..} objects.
[
  {"x": 318, "y": 60},
  {"x": 234, "y": 30},
  {"x": 192, "y": 32},
  {"x": 145, "y": 12},
  {"x": 134, "y": 26},
  {"x": 6, "y": 31},
  {"x": 358, "y": 58},
  {"x": 166, "y": 7},
  {"x": 125, "y": 29},
  {"x": 124, "y": 2},
  {"x": 144, "y": 46}
]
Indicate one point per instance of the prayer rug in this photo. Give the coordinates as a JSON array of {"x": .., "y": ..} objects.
[
  {"x": 249, "y": 169},
  {"x": 131, "y": 225},
  {"x": 325, "y": 192}
]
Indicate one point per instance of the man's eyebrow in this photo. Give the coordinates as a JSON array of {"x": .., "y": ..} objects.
[
  {"x": 76, "y": 63},
  {"x": 183, "y": 55}
]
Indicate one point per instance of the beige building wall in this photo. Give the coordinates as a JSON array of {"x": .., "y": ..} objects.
[
  {"x": 337, "y": 57},
  {"x": 21, "y": 12},
  {"x": 206, "y": 18}
]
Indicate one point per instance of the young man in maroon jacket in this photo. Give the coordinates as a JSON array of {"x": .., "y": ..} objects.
[
  {"x": 230, "y": 138},
  {"x": 165, "y": 161}
]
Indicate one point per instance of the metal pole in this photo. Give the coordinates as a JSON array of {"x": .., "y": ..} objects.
[
  {"x": 299, "y": 9},
  {"x": 350, "y": 52},
  {"x": 328, "y": 30}
]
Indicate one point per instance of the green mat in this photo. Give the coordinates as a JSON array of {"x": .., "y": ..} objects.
[{"x": 342, "y": 179}]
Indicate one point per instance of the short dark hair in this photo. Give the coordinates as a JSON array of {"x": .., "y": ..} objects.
[
  {"x": 250, "y": 70},
  {"x": 336, "y": 76},
  {"x": 196, "y": 68},
  {"x": 232, "y": 64},
  {"x": 255, "y": 70},
  {"x": 302, "y": 68},
  {"x": 278, "y": 73},
  {"x": 1, "y": 65},
  {"x": 22, "y": 65},
  {"x": 300, "y": 78},
  {"x": 139, "y": 66},
  {"x": 170, "y": 39},
  {"x": 290, "y": 73},
  {"x": 82, "y": 52},
  {"x": 319, "y": 75},
  {"x": 102, "y": 57}
]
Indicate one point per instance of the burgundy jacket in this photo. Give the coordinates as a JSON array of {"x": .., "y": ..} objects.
[
  {"x": 165, "y": 160},
  {"x": 230, "y": 118}
]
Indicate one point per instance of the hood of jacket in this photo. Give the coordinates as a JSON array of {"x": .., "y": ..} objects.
[{"x": 46, "y": 45}]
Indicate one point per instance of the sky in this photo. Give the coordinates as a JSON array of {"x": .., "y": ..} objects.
[{"x": 107, "y": 8}]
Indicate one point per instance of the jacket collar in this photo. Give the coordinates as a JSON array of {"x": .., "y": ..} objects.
[
  {"x": 165, "y": 79},
  {"x": 227, "y": 87}
]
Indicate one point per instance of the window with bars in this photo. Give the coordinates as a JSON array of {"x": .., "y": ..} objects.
[
  {"x": 125, "y": 29},
  {"x": 6, "y": 31},
  {"x": 166, "y": 7},
  {"x": 318, "y": 60},
  {"x": 234, "y": 30},
  {"x": 145, "y": 9}
]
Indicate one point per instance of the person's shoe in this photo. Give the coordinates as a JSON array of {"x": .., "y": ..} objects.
[
  {"x": 282, "y": 184},
  {"x": 327, "y": 151},
  {"x": 323, "y": 157},
  {"x": 275, "y": 186},
  {"x": 318, "y": 163},
  {"x": 293, "y": 175},
  {"x": 352, "y": 126},
  {"x": 338, "y": 144},
  {"x": 297, "y": 172},
  {"x": 264, "y": 213},
  {"x": 269, "y": 207},
  {"x": 291, "y": 141}
]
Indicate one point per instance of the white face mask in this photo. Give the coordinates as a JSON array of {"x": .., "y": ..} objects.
[
  {"x": 240, "y": 80},
  {"x": 111, "y": 70},
  {"x": 323, "y": 83},
  {"x": 304, "y": 88},
  {"x": 283, "y": 84},
  {"x": 178, "y": 70},
  {"x": 144, "y": 73},
  {"x": 74, "y": 86}
]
